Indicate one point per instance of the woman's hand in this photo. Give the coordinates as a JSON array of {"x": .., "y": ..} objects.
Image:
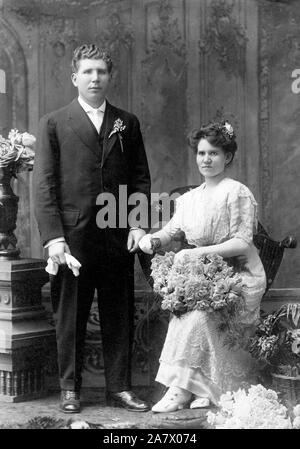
[{"x": 179, "y": 257}]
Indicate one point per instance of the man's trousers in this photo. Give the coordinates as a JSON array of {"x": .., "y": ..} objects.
[{"x": 111, "y": 274}]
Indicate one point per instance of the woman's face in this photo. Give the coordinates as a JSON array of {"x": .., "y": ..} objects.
[{"x": 211, "y": 160}]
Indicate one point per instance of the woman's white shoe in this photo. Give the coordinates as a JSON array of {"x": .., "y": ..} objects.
[
  {"x": 172, "y": 401},
  {"x": 200, "y": 403}
]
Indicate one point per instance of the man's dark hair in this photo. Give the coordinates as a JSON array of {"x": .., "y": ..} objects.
[{"x": 90, "y": 51}]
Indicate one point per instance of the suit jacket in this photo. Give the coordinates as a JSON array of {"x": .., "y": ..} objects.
[{"x": 71, "y": 170}]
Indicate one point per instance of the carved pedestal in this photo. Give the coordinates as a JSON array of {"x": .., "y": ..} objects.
[{"x": 25, "y": 333}]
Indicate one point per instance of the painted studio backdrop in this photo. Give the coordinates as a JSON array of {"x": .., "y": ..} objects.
[{"x": 177, "y": 64}]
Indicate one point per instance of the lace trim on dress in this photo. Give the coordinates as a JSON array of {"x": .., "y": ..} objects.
[{"x": 202, "y": 346}]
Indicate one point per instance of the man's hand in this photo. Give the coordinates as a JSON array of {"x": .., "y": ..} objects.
[
  {"x": 134, "y": 237},
  {"x": 145, "y": 244},
  {"x": 57, "y": 252}
]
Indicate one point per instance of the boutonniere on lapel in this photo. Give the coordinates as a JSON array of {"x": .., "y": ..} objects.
[{"x": 118, "y": 128}]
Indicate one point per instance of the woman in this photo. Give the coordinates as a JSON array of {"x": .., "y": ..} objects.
[{"x": 219, "y": 216}]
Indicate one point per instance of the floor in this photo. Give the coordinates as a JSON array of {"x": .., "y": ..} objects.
[{"x": 44, "y": 414}]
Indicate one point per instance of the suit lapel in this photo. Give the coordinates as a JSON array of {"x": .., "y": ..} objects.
[
  {"x": 109, "y": 119},
  {"x": 83, "y": 127}
]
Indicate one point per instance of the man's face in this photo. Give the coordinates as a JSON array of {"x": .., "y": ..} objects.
[{"x": 92, "y": 80}]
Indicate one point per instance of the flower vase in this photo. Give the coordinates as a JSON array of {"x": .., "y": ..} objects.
[
  {"x": 288, "y": 387},
  {"x": 8, "y": 215}
]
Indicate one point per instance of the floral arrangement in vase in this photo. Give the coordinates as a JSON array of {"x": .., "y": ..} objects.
[
  {"x": 276, "y": 342},
  {"x": 16, "y": 155},
  {"x": 17, "y": 151}
]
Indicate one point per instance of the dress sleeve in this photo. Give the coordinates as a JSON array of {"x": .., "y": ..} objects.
[
  {"x": 173, "y": 226},
  {"x": 242, "y": 214}
]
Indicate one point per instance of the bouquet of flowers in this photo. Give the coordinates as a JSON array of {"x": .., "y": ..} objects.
[
  {"x": 277, "y": 340},
  {"x": 17, "y": 151},
  {"x": 198, "y": 283},
  {"x": 257, "y": 408}
]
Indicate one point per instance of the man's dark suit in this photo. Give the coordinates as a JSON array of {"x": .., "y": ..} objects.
[{"x": 73, "y": 165}]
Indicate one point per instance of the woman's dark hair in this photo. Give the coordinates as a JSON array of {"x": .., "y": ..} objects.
[
  {"x": 90, "y": 51},
  {"x": 217, "y": 134}
]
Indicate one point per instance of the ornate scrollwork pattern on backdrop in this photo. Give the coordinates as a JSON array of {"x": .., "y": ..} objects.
[
  {"x": 28, "y": 13},
  {"x": 264, "y": 112},
  {"x": 113, "y": 34},
  {"x": 226, "y": 38},
  {"x": 221, "y": 115},
  {"x": 164, "y": 112},
  {"x": 61, "y": 34}
]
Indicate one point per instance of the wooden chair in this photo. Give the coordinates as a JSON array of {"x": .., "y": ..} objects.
[{"x": 270, "y": 251}]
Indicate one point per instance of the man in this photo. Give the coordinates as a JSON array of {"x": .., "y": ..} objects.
[{"x": 84, "y": 149}]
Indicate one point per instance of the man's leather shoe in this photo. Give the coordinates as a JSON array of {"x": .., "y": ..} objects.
[
  {"x": 70, "y": 401},
  {"x": 128, "y": 400}
]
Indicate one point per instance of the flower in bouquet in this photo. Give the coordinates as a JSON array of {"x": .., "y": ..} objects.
[
  {"x": 257, "y": 408},
  {"x": 203, "y": 304},
  {"x": 197, "y": 283},
  {"x": 17, "y": 151},
  {"x": 197, "y": 289}
]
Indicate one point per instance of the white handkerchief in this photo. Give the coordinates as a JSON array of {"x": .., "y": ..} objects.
[{"x": 73, "y": 264}]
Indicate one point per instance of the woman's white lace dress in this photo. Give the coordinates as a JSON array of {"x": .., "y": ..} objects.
[{"x": 194, "y": 355}]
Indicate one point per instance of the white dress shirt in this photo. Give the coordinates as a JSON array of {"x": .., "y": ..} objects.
[{"x": 95, "y": 114}]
